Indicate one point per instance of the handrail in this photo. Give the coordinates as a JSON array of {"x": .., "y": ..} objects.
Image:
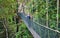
[{"x": 47, "y": 27}]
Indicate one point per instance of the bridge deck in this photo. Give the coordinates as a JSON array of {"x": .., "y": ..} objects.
[{"x": 35, "y": 35}]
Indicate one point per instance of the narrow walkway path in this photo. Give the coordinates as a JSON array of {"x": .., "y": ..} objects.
[{"x": 35, "y": 35}]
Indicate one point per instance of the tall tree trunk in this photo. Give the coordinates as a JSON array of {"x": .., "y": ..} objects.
[{"x": 5, "y": 26}]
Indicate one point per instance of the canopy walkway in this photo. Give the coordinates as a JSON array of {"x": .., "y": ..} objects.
[
  {"x": 42, "y": 30},
  {"x": 39, "y": 30}
]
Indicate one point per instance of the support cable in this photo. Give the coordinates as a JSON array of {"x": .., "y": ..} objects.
[
  {"x": 47, "y": 16},
  {"x": 47, "y": 13},
  {"x": 57, "y": 13}
]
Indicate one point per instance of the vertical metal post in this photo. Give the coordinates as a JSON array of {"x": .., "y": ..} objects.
[
  {"x": 57, "y": 13},
  {"x": 47, "y": 15}
]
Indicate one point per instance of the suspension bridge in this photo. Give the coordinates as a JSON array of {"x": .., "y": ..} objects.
[{"x": 38, "y": 29}]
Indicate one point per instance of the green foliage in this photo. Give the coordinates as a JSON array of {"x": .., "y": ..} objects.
[
  {"x": 23, "y": 32},
  {"x": 7, "y": 10},
  {"x": 7, "y": 7},
  {"x": 40, "y": 7}
]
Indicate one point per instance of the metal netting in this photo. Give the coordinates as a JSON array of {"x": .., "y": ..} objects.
[
  {"x": 46, "y": 25},
  {"x": 41, "y": 30}
]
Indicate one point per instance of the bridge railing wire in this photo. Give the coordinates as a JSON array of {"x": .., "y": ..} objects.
[
  {"x": 41, "y": 30},
  {"x": 40, "y": 27}
]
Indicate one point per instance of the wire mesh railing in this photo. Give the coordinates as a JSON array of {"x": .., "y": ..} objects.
[
  {"x": 41, "y": 30},
  {"x": 48, "y": 27}
]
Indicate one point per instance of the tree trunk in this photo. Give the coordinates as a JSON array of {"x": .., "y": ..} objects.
[{"x": 5, "y": 26}]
